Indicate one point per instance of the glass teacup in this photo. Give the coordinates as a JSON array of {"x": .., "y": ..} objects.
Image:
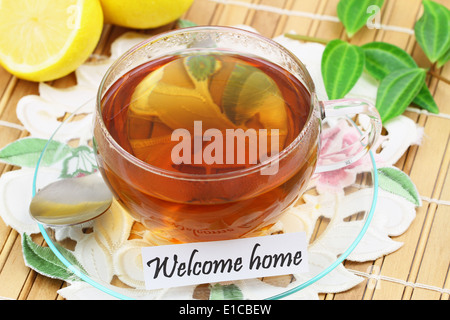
[{"x": 211, "y": 133}]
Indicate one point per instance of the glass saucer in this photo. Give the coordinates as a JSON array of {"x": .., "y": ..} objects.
[{"x": 73, "y": 157}]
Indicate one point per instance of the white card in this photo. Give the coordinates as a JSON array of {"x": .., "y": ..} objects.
[{"x": 206, "y": 262}]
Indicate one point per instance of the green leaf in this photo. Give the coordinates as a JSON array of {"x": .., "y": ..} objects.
[
  {"x": 383, "y": 58},
  {"x": 397, "y": 90},
  {"x": 228, "y": 292},
  {"x": 432, "y": 30},
  {"x": 201, "y": 67},
  {"x": 425, "y": 100},
  {"x": 26, "y": 152},
  {"x": 342, "y": 66},
  {"x": 444, "y": 59},
  {"x": 183, "y": 23},
  {"x": 353, "y": 13},
  {"x": 44, "y": 261},
  {"x": 395, "y": 181}
]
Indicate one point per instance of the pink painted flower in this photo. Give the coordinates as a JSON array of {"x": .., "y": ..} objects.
[{"x": 338, "y": 143}]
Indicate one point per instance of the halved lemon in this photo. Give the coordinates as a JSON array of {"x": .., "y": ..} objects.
[{"x": 43, "y": 40}]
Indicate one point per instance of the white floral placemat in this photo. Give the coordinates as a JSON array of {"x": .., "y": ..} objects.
[{"x": 110, "y": 251}]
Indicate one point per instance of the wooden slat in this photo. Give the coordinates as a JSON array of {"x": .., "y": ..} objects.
[
  {"x": 301, "y": 25},
  {"x": 201, "y": 12},
  {"x": 14, "y": 272},
  {"x": 264, "y": 21},
  {"x": 232, "y": 15},
  {"x": 327, "y": 29}
]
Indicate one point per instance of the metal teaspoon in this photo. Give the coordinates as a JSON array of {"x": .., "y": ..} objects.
[{"x": 71, "y": 201}]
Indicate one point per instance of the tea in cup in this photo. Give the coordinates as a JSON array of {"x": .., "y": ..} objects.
[{"x": 211, "y": 133}]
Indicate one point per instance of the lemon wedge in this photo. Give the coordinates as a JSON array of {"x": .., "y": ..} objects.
[{"x": 43, "y": 40}]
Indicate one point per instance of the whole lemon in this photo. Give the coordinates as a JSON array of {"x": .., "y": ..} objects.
[{"x": 143, "y": 14}]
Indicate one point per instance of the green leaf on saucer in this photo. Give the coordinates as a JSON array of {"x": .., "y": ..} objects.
[
  {"x": 227, "y": 292},
  {"x": 82, "y": 161},
  {"x": 342, "y": 66},
  {"x": 44, "y": 261},
  {"x": 397, "y": 90},
  {"x": 383, "y": 58},
  {"x": 354, "y": 13},
  {"x": 26, "y": 152},
  {"x": 395, "y": 181},
  {"x": 432, "y": 31}
]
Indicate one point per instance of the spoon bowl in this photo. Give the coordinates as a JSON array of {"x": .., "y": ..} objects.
[{"x": 71, "y": 201}]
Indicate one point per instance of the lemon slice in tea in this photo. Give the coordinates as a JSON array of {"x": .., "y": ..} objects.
[{"x": 179, "y": 97}]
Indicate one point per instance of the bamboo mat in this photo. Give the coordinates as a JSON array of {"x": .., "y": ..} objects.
[{"x": 418, "y": 270}]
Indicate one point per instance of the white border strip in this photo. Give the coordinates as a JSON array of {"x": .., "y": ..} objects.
[
  {"x": 282, "y": 11},
  {"x": 422, "y": 111},
  {"x": 436, "y": 201},
  {"x": 397, "y": 29},
  {"x": 430, "y": 200},
  {"x": 11, "y": 125},
  {"x": 302, "y": 14},
  {"x": 402, "y": 282}
]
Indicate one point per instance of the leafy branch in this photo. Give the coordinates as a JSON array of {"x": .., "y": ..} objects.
[{"x": 402, "y": 82}]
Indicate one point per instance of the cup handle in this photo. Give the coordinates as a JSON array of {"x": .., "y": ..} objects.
[{"x": 364, "y": 118}]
